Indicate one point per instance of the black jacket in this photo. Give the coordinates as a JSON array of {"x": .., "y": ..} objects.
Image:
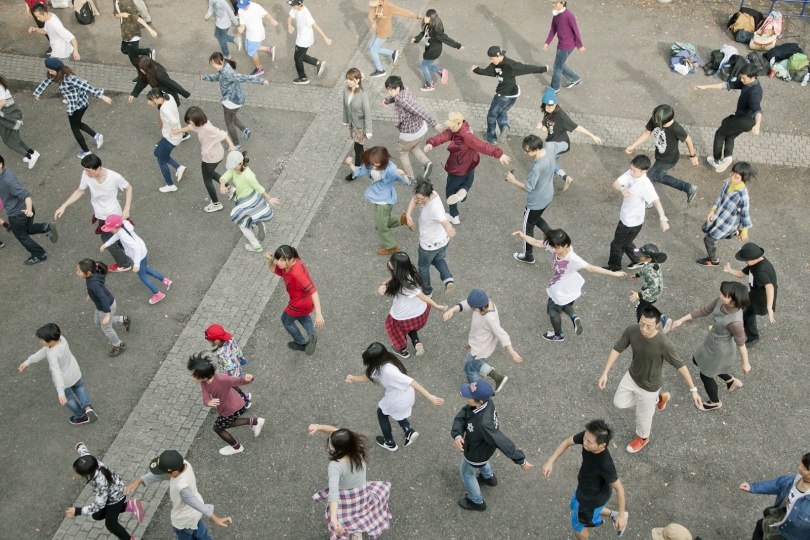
[
  {"x": 479, "y": 428},
  {"x": 506, "y": 72},
  {"x": 433, "y": 43},
  {"x": 164, "y": 82},
  {"x": 98, "y": 292}
]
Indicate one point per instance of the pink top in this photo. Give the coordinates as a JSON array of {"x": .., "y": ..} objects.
[
  {"x": 565, "y": 26},
  {"x": 211, "y": 139},
  {"x": 221, "y": 387}
]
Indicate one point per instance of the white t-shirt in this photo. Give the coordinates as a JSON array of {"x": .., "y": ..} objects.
[
  {"x": 304, "y": 34},
  {"x": 793, "y": 496},
  {"x": 171, "y": 120},
  {"x": 642, "y": 193},
  {"x": 104, "y": 196},
  {"x": 399, "y": 395},
  {"x": 59, "y": 37},
  {"x": 5, "y": 95},
  {"x": 253, "y": 19},
  {"x": 407, "y": 305},
  {"x": 432, "y": 235},
  {"x": 566, "y": 283}
]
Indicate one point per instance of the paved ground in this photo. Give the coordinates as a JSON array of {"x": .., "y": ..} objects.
[{"x": 693, "y": 460}]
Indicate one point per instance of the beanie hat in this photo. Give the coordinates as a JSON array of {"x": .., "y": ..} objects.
[
  {"x": 550, "y": 97},
  {"x": 477, "y": 299},
  {"x": 54, "y": 64}
]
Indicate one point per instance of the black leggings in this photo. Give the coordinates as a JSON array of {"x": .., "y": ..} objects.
[
  {"x": 77, "y": 126},
  {"x": 210, "y": 176},
  {"x": 358, "y": 152},
  {"x": 711, "y": 385},
  {"x": 556, "y": 320},
  {"x": 110, "y": 515},
  {"x": 225, "y": 435},
  {"x": 414, "y": 337}
]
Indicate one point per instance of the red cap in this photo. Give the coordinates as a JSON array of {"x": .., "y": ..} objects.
[{"x": 216, "y": 332}]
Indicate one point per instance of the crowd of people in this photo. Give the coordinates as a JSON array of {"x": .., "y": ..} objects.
[{"x": 355, "y": 505}]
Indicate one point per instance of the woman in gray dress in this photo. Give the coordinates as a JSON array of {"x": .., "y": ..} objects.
[
  {"x": 717, "y": 355},
  {"x": 356, "y": 113}
]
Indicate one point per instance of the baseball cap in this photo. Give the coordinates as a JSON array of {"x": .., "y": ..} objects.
[
  {"x": 215, "y": 332},
  {"x": 494, "y": 51},
  {"x": 673, "y": 531},
  {"x": 480, "y": 390},
  {"x": 242, "y": 4},
  {"x": 168, "y": 462},
  {"x": 295, "y": 2},
  {"x": 113, "y": 221},
  {"x": 454, "y": 118},
  {"x": 477, "y": 299},
  {"x": 651, "y": 251}
]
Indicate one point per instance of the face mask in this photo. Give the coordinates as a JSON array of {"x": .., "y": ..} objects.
[
  {"x": 555, "y": 12},
  {"x": 375, "y": 174}
]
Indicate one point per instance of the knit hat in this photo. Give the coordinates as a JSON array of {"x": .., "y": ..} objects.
[
  {"x": 550, "y": 97},
  {"x": 54, "y": 64},
  {"x": 234, "y": 158},
  {"x": 495, "y": 51},
  {"x": 477, "y": 299},
  {"x": 673, "y": 531},
  {"x": 216, "y": 332}
]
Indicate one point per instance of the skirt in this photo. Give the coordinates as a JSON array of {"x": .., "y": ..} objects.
[
  {"x": 251, "y": 210},
  {"x": 363, "y": 509},
  {"x": 357, "y": 134}
]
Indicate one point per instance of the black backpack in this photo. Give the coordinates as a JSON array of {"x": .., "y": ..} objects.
[
  {"x": 85, "y": 15},
  {"x": 782, "y": 52},
  {"x": 762, "y": 66}
]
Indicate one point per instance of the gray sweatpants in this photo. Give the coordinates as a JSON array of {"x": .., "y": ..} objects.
[{"x": 107, "y": 328}]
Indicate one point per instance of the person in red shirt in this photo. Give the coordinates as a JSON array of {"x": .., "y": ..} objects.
[{"x": 304, "y": 298}]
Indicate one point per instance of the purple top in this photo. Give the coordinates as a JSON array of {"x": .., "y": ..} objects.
[{"x": 565, "y": 26}]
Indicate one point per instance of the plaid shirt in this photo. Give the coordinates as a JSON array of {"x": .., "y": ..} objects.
[
  {"x": 732, "y": 212},
  {"x": 652, "y": 282},
  {"x": 74, "y": 90},
  {"x": 408, "y": 115}
]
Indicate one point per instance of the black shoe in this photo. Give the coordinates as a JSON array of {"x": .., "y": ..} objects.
[
  {"x": 394, "y": 56},
  {"x": 381, "y": 442},
  {"x": 426, "y": 169},
  {"x": 117, "y": 349},
  {"x": 34, "y": 260},
  {"x": 2, "y": 244},
  {"x": 492, "y": 481},
  {"x": 411, "y": 437},
  {"x": 523, "y": 258},
  {"x": 127, "y": 323},
  {"x": 81, "y": 420},
  {"x": 296, "y": 346},
  {"x": 301, "y": 80},
  {"x": 635, "y": 265},
  {"x": 186, "y": 136},
  {"x": 349, "y": 177},
  {"x": 309, "y": 348},
  {"x": 51, "y": 232},
  {"x": 467, "y": 504},
  {"x": 611, "y": 269},
  {"x": 705, "y": 261},
  {"x": 691, "y": 194},
  {"x": 751, "y": 343},
  {"x": 404, "y": 353},
  {"x": 377, "y": 73},
  {"x": 91, "y": 414}
]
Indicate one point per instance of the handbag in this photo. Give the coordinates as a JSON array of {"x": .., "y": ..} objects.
[{"x": 762, "y": 43}]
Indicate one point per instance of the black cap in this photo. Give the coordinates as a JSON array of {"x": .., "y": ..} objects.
[
  {"x": 295, "y": 2},
  {"x": 651, "y": 251},
  {"x": 168, "y": 462},
  {"x": 494, "y": 51},
  {"x": 749, "y": 252}
]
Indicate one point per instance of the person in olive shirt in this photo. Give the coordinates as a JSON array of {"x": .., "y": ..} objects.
[
  {"x": 762, "y": 280},
  {"x": 641, "y": 385},
  {"x": 597, "y": 475}
]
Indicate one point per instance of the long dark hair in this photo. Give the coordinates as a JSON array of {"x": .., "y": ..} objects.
[
  {"x": 4, "y": 82},
  {"x": 403, "y": 275},
  {"x": 157, "y": 93},
  {"x": 376, "y": 356},
  {"x": 95, "y": 267},
  {"x": 146, "y": 68},
  {"x": 219, "y": 58},
  {"x": 435, "y": 23},
  {"x": 86, "y": 467},
  {"x": 286, "y": 253},
  {"x": 61, "y": 73},
  {"x": 344, "y": 442}
]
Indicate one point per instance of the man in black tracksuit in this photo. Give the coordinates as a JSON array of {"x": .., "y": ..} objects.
[
  {"x": 507, "y": 91},
  {"x": 477, "y": 434}
]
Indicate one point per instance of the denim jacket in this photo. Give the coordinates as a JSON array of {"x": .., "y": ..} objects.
[
  {"x": 229, "y": 83},
  {"x": 796, "y": 525},
  {"x": 382, "y": 190}
]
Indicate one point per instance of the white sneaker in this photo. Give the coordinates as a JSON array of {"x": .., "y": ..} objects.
[
  {"x": 457, "y": 197},
  {"x": 453, "y": 220},
  {"x": 168, "y": 189},
  {"x": 229, "y": 450},
  {"x": 254, "y": 249},
  {"x": 180, "y": 172},
  {"x": 239, "y": 41},
  {"x": 213, "y": 207},
  {"x": 723, "y": 164},
  {"x": 32, "y": 160},
  {"x": 258, "y": 427},
  {"x": 712, "y": 163},
  {"x": 231, "y": 193},
  {"x": 99, "y": 138}
]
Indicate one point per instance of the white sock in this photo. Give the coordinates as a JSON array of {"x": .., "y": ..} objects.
[
  {"x": 561, "y": 173},
  {"x": 250, "y": 236}
]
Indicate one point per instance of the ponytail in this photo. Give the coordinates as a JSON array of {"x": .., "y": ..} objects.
[
  {"x": 156, "y": 93},
  {"x": 219, "y": 58},
  {"x": 86, "y": 467},
  {"x": 94, "y": 267}
]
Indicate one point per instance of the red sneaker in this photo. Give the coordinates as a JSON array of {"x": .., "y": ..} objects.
[
  {"x": 663, "y": 397},
  {"x": 118, "y": 268},
  {"x": 157, "y": 297},
  {"x": 637, "y": 444}
]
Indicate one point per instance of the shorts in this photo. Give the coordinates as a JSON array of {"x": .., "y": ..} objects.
[
  {"x": 555, "y": 310},
  {"x": 252, "y": 47},
  {"x": 223, "y": 422},
  {"x": 584, "y": 517}
]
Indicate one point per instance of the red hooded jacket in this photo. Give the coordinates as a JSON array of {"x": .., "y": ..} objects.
[{"x": 464, "y": 149}]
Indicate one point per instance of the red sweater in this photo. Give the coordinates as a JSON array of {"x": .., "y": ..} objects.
[
  {"x": 221, "y": 387},
  {"x": 464, "y": 149}
]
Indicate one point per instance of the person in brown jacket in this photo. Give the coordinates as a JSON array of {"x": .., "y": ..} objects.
[
  {"x": 131, "y": 23},
  {"x": 380, "y": 14}
]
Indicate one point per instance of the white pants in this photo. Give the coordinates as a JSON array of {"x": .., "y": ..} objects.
[
  {"x": 143, "y": 11},
  {"x": 629, "y": 394}
]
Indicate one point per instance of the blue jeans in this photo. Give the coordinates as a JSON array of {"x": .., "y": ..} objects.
[
  {"x": 427, "y": 67},
  {"x": 454, "y": 184},
  {"x": 472, "y": 366},
  {"x": 77, "y": 398},
  {"x": 497, "y": 114},
  {"x": 200, "y": 533},
  {"x": 468, "y": 473},
  {"x": 289, "y": 325},
  {"x": 223, "y": 37},
  {"x": 658, "y": 174},
  {"x": 144, "y": 271},
  {"x": 385, "y": 426},
  {"x": 560, "y": 68},
  {"x": 434, "y": 258},
  {"x": 163, "y": 153},
  {"x": 376, "y": 50}
]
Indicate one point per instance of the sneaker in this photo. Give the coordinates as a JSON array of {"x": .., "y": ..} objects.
[
  {"x": 420, "y": 350},
  {"x": 455, "y": 220},
  {"x": 578, "y": 326},
  {"x": 180, "y": 172},
  {"x": 230, "y": 450},
  {"x": 213, "y": 207},
  {"x": 157, "y": 297},
  {"x": 551, "y": 336},
  {"x": 404, "y": 353},
  {"x": 272, "y": 54},
  {"x": 168, "y": 189},
  {"x": 377, "y": 73},
  {"x": 167, "y": 283},
  {"x": 445, "y": 76},
  {"x": 81, "y": 420},
  {"x": 428, "y": 87},
  {"x": 504, "y": 133},
  {"x": 135, "y": 506},
  {"x": 301, "y": 80},
  {"x": 705, "y": 261},
  {"x": 390, "y": 447},
  {"x": 127, "y": 322},
  {"x": 691, "y": 194},
  {"x": 152, "y": 52},
  {"x": 411, "y": 437},
  {"x": 426, "y": 168},
  {"x": 32, "y": 160},
  {"x": 735, "y": 384},
  {"x": 30, "y": 261},
  {"x": 309, "y": 349},
  {"x": 99, "y": 138},
  {"x": 246, "y": 133},
  {"x": 710, "y": 406},
  {"x": 248, "y": 402},
  {"x": 238, "y": 41},
  {"x": 2, "y": 244},
  {"x": 186, "y": 136},
  {"x": 118, "y": 268},
  {"x": 258, "y": 427},
  {"x": 663, "y": 398},
  {"x": 296, "y": 346},
  {"x": 523, "y": 258},
  {"x": 232, "y": 190},
  {"x": 394, "y": 56},
  {"x": 666, "y": 323},
  {"x": 449, "y": 288},
  {"x": 90, "y": 414},
  {"x": 712, "y": 163},
  {"x": 261, "y": 231},
  {"x": 253, "y": 249},
  {"x": 457, "y": 197},
  {"x": 723, "y": 164},
  {"x": 649, "y": 205},
  {"x": 321, "y": 67},
  {"x": 637, "y": 444},
  {"x": 256, "y": 72},
  {"x": 613, "y": 517},
  {"x": 573, "y": 84},
  {"x": 635, "y": 265},
  {"x": 117, "y": 349},
  {"x": 467, "y": 504},
  {"x": 492, "y": 481},
  {"x": 51, "y": 232},
  {"x": 82, "y": 155}
]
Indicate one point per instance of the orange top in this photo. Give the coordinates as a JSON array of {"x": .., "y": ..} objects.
[{"x": 381, "y": 16}]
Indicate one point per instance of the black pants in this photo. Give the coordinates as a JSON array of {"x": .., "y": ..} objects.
[
  {"x": 300, "y": 57},
  {"x": 211, "y": 179},
  {"x": 642, "y": 305},
  {"x": 530, "y": 219},
  {"x": 750, "y": 323},
  {"x": 133, "y": 51},
  {"x": 730, "y": 128},
  {"x": 77, "y": 126},
  {"x": 623, "y": 242},
  {"x": 358, "y": 153},
  {"x": 22, "y": 227},
  {"x": 117, "y": 251},
  {"x": 711, "y": 385},
  {"x": 110, "y": 515}
]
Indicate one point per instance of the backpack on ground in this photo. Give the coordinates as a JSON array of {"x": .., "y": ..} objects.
[
  {"x": 762, "y": 66},
  {"x": 711, "y": 67},
  {"x": 782, "y": 52},
  {"x": 741, "y": 21},
  {"x": 84, "y": 12},
  {"x": 798, "y": 66},
  {"x": 758, "y": 17}
]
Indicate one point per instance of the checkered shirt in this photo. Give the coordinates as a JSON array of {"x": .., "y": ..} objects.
[
  {"x": 74, "y": 90},
  {"x": 363, "y": 509},
  {"x": 408, "y": 115},
  {"x": 732, "y": 212}
]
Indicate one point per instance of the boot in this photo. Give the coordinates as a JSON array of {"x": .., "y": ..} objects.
[{"x": 499, "y": 378}]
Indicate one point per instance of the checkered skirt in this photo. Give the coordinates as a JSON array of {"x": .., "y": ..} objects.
[
  {"x": 363, "y": 509},
  {"x": 397, "y": 330}
]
